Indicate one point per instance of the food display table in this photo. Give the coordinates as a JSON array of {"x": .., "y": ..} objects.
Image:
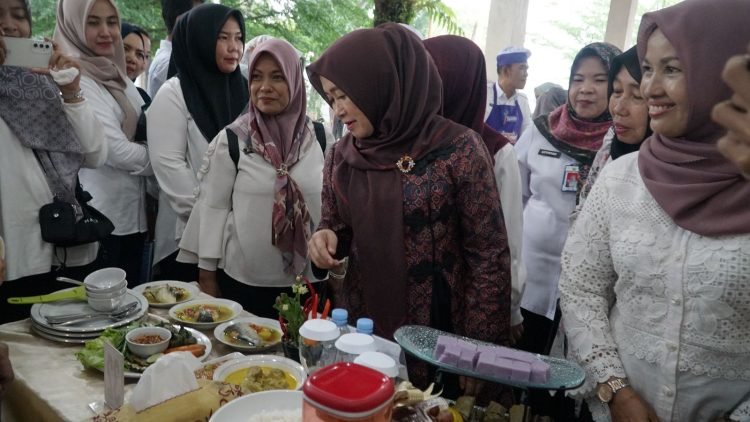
[{"x": 50, "y": 383}]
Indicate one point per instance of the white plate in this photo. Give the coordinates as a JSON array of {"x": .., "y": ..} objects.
[
  {"x": 193, "y": 291},
  {"x": 270, "y": 361},
  {"x": 240, "y": 409},
  {"x": 235, "y": 307},
  {"x": 265, "y": 322},
  {"x": 40, "y": 311}
]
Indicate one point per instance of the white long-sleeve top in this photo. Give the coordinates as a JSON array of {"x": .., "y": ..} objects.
[
  {"x": 176, "y": 147},
  {"x": 24, "y": 190},
  {"x": 668, "y": 308},
  {"x": 230, "y": 225},
  {"x": 118, "y": 191},
  {"x": 546, "y": 218},
  {"x": 508, "y": 178},
  {"x": 157, "y": 71}
]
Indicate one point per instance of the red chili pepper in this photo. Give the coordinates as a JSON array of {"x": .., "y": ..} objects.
[
  {"x": 283, "y": 325},
  {"x": 309, "y": 286},
  {"x": 326, "y": 309}
]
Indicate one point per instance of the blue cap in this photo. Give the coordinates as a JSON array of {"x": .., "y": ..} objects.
[
  {"x": 512, "y": 55},
  {"x": 339, "y": 316},
  {"x": 364, "y": 325}
]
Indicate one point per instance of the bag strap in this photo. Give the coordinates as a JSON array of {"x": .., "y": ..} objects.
[
  {"x": 320, "y": 134},
  {"x": 234, "y": 148}
]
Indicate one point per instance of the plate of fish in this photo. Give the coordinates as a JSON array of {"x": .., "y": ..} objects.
[
  {"x": 205, "y": 314},
  {"x": 253, "y": 334},
  {"x": 167, "y": 293}
]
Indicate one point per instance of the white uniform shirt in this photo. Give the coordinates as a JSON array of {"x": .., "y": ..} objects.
[
  {"x": 502, "y": 99},
  {"x": 24, "y": 189},
  {"x": 508, "y": 178},
  {"x": 176, "y": 147},
  {"x": 230, "y": 225},
  {"x": 118, "y": 190},
  {"x": 546, "y": 217},
  {"x": 668, "y": 308},
  {"x": 157, "y": 71}
]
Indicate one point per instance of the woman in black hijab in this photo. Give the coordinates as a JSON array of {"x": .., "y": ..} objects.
[{"x": 205, "y": 92}]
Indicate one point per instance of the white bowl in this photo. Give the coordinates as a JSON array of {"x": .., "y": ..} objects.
[
  {"x": 106, "y": 305},
  {"x": 244, "y": 408},
  {"x": 146, "y": 350},
  {"x": 107, "y": 295},
  {"x": 105, "y": 280},
  {"x": 270, "y": 361},
  {"x": 179, "y": 312},
  {"x": 263, "y": 322}
]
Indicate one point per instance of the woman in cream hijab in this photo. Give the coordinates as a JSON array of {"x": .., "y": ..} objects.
[{"x": 90, "y": 29}]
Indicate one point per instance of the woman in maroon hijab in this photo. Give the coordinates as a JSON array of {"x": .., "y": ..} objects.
[
  {"x": 463, "y": 72},
  {"x": 656, "y": 270},
  {"x": 408, "y": 196}
]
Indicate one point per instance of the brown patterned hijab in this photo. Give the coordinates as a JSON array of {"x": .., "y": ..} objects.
[
  {"x": 389, "y": 75},
  {"x": 694, "y": 184},
  {"x": 278, "y": 139},
  {"x": 110, "y": 72}
]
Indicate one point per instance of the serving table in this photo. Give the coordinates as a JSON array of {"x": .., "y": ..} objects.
[{"x": 50, "y": 383}]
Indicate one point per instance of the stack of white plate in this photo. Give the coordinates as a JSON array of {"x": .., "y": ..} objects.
[{"x": 85, "y": 330}]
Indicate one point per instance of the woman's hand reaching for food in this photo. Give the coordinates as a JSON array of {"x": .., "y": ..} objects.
[{"x": 322, "y": 247}]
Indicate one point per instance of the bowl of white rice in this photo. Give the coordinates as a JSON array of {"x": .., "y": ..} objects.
[{"x": 266, "y": 406}]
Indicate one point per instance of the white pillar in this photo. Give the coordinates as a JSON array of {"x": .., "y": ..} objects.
[
  {"x": 506, "y": 26},
  {"x": 620, "y": 21}
]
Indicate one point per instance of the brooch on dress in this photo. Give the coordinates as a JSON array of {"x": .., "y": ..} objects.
[{"x": 405, "y": 164}]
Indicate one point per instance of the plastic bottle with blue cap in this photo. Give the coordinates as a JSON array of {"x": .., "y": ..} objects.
[
  {"x": 365, "y": 326},
  {"x": 340, "y": 317}
]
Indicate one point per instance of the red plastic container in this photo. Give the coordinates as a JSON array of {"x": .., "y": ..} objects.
[{"x": 347, "y": 392}]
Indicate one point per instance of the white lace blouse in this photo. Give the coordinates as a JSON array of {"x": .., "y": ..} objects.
[{"x": 666, "y": 307}]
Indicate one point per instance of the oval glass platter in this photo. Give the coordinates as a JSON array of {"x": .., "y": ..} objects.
[{"x": 421, "y": 341}]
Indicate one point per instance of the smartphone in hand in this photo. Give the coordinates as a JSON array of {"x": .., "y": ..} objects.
[{"x": 27, "y": 52}]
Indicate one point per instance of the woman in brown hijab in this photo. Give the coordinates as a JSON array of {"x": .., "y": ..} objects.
[
  {"x": 656, "y": 270},
  {"x": 408, "y": 195}
]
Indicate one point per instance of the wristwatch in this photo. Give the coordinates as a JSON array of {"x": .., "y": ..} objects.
[{"x": 606, "y": 391}]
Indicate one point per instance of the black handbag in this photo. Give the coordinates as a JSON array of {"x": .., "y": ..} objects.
[{"x": 57, "y": 221}]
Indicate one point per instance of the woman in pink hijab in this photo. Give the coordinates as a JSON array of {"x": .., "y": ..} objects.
[
  {"x": 656, "y": 270},
  {"x": 249, "y": 229}
]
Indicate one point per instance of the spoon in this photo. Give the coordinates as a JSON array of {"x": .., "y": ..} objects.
[
  {"x": 70, "y": 280},
  {"x": 117, "y": 314}
]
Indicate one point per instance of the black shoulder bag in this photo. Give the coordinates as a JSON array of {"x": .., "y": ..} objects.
[{"x": 57, "y": 221}]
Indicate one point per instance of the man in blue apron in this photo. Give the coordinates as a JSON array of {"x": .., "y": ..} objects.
[{"x": 508, "y": 110}]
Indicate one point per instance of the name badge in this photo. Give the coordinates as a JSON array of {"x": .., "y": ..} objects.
[
  {"x": 548, "y": 153},
  {"x": 571, "y": 178}
]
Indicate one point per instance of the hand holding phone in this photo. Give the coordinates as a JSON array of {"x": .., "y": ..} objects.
[{"x": 27, "y": 52}]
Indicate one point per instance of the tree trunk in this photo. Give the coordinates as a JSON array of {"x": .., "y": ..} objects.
[{"x": 399, "y": 11}]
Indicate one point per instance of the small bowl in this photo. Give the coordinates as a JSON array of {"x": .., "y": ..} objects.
[
  {"x": 105, "y": 280},
  {"x": 109, "y": 295},
  {"x": 146, "y": 350},
  {"x": 105, "y": 305}
]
